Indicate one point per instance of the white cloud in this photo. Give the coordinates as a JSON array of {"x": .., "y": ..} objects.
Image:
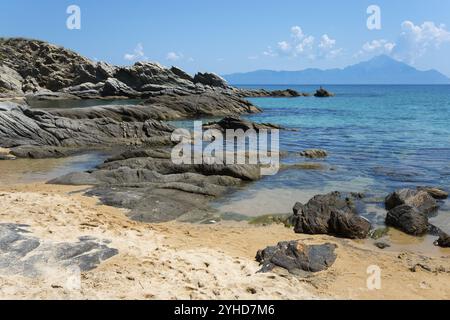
[
  {"x": 138, "y": 54},
  {"x": 304, "y": 45},
  {"x": 415, "y": 40},
  {"x": 173, "y": 56},
  {"x": 376, "y": 47}
]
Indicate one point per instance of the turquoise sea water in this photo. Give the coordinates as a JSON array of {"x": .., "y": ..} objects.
[{"x": 379, "y": 138}]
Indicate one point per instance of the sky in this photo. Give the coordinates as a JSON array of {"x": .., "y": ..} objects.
[{"x": 239, "y": 36}]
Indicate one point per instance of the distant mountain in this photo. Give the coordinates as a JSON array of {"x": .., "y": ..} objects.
[{"x": 379, "y": 70}]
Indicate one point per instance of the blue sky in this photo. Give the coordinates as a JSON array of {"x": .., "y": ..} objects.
[{"x": 235, "y": 36}]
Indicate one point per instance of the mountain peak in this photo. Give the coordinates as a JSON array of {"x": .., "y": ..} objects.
[{"x": 381, "y": 69}]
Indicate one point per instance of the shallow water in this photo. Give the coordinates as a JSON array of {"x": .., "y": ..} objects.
[
  {"x": 379, "y": 138},
  {"x": 42, "y": 170}
]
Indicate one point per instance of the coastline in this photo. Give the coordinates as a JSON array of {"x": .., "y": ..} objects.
[{"x": 156, "y": 262}]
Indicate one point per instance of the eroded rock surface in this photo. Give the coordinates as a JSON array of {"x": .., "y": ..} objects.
[
  {"x": 21, "y": 253},
  {"x": 297, "y": 257}
]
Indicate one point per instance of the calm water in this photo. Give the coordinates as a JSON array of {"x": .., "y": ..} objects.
[{"x": 379, "y": 138}]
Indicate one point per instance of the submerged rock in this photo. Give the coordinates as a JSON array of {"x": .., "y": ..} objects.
[
  {"x": 330, "y": 214},
  {"x": 297, "y": 257},
  {"x": 314, "y": 153}
]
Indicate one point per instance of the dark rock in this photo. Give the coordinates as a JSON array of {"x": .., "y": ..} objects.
[
  {"x": 436, "y": 193},
  {"x": 330, "y": 214},
  {"x": 415, "y": 198},
  {"x": 408, "y": 219},
  {"x": 443, "y": 241},
  {"x": 115, "y": 88},
  {"x": 322, "y": 93},
  {"x": 210, "y": 79},
  {"x": 295, "y": 256},
  {"x": 182, "y": 74},
  {"x": 235, "y": 123},
  {"x": 382, "y": 245},
  {"x": 314, "y": 153}
]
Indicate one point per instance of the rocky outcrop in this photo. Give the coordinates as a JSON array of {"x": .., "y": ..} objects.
[
  {"x": 24, "y": 254},
  {"x": 155, "y": 189},
  {"x": 22, "y": 129},
  {"x": 261, "y": 93},
  {"x": 322, "y": 93},
  {"x": 421, "y": 200},
  {"x": 314, "y": 153},
  {"x": 297, "y": 257},
  {"x": 10, "y": 81},
  {"x": 330, "y": 214}
]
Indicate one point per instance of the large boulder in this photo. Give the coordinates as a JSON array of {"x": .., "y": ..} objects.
[
  {"x": 408, "y": 219},
  {"x": 330, "y": 214},
  {"x": 297, "y": 257},
  {"x": 421, "y": 200},
  {"x": 115, "y": 88},
  {"x": 443, "y": 241}
]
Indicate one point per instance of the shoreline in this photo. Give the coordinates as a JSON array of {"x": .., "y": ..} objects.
[{"x": 156, "y": 262}]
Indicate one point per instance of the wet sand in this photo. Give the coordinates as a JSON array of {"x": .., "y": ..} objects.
[{"x": 187, "y": 261}]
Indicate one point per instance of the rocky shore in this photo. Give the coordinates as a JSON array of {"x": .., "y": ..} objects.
[{"x": 151, "y": 191}]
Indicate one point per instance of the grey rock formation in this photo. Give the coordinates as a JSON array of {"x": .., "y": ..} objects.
[
  {"x": 330, "y": 214},
  {"x": 22, "y": 128},
  {"x": 421, "y": 200},
  {"x": 297, "y": 257},
  {"x": 24, "y": 254},
  {"x": 210, "y": 79},
  {"x": 155, "y": 189}
]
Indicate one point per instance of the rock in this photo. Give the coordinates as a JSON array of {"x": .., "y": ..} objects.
[
  {"x": 210, "y": 79},
  {"x": 443, "y": 241},
  {"x": 10, "y": 81},
  {"x": 23, "y": 128},
  {"x": 418, "y": 199},
  {"x": 236, "y": 123},
  {"x": 182, "y": 74},
  {"x": 330, "y": 214},
  {"x": 382, "y": 245},
  {"x": 314, "y": 153},
  {"x": 288, "y": 93},
  {"x": 436, "y": 193},
  {"x": 26, "y": 255},
  {"x": 116, "y": 88},
  {"x": 322, "y": 93},
  {"x": 408, "y": 219},
  {"x": 297, "y": 257}
]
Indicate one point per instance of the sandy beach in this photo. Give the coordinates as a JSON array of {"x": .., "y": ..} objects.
[{"x": 191, "y": 261}]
